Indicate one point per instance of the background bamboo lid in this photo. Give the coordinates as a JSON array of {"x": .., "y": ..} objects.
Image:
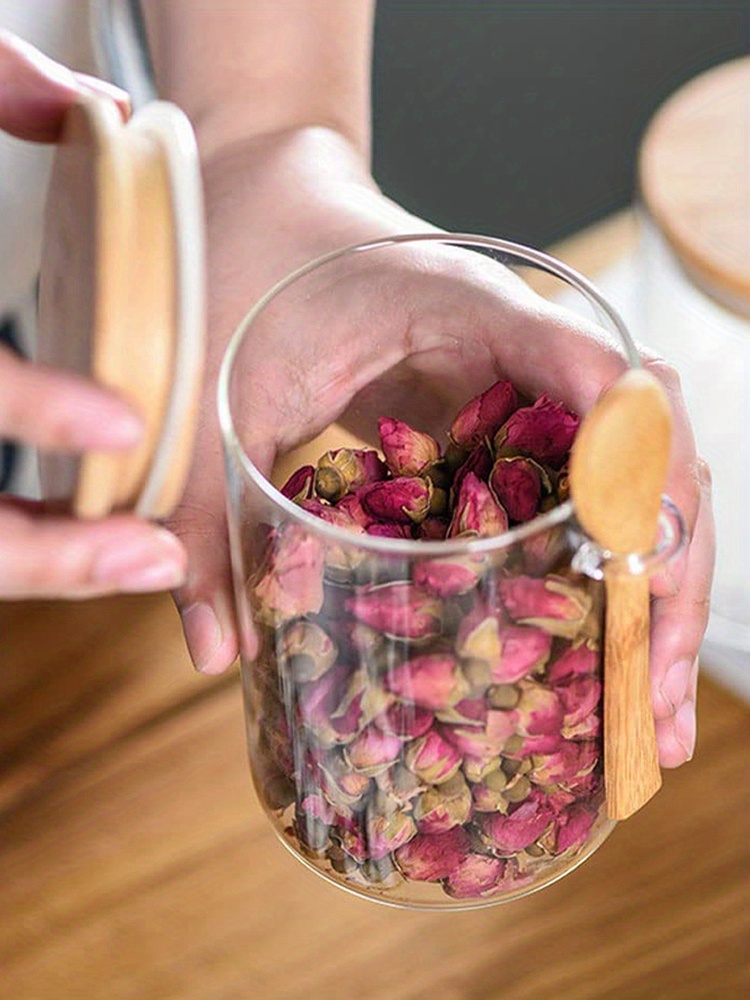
[
  {"x": 695, "y": 180},
  {"x": 122, "y": 296}
]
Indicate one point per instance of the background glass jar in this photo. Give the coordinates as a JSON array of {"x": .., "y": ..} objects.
[{"x": 424, "y": 718}]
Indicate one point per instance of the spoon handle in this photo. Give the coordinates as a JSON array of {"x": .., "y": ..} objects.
[{"x": 631, "y": 762}]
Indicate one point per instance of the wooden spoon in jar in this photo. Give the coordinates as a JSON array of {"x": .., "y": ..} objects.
[{"x": 617, "y": 474}]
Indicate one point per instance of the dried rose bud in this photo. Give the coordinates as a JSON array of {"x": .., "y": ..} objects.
[
  {"x": 345, "y": 469},
  {"x": 433, "y": 681},
  {"x": 433, "y": 529},
  {"x": 503, "y": 696},
  {"x": 476, "y": 769},
  {"x": 523, "y": 747},
  {"x": 510, "y": 833},
  {"x": 481, "y": 743},
  {"x": 476, "y": 875},
  {"x": 316, "y": 806},
  {"x": 478, "y": 632},
  {"x": 580, "y": 698},
  {"x": 432, "y": 758},
  {"x": 406, "y": 499},
  {"x": 351, "y": 506},
  {"x": 476, "y": 511},
  {"x": 468, "y": 711},
  {"x": 341, "y": 786},
  {"x": 479, "y": 461},
  {"x": 318, "y": 699},
  {"x": 349, "y": 830},
  {"x": 400, "y": 784},
  {"x": 429, "y": 857},
  {"x": 551, "y": 603},
  {"x": 509, "y": 652},
  {"x": 387, "y": 827},
  {"x": 449, "y": 576},
  {"x": 487, "y": 794},
  {"x": 390, "y": 530},
  {"x": 539, "y": 711},
  {"x": 517, "y": 484},
  {"x": 545, "y": 431},
  {"x": 291, "y": 584},
  {"x": 360, "y": 702},
  {"x": 403, "y": 719},
  {"x": 407, "y": 452},
  {"x": 442, "y": 807},
  {"x": 401, "y": 610},
  {"x": 338, "y": 516},
  {"x": 299, "y": 486},
  {"x": 306, "y": 650},
  {"x": 572, "y": 761},
  {"x": 577, "y": 661},
  {"x": 482, "y": 416},
  {"x": 572, "y": 829},
  {"x": 372, "y": 751}
]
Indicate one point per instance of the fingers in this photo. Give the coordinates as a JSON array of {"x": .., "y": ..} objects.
[
  {"x": 205, "y": 601},
  {"x": 48, "y": 556},
  {"x": 36, "y": 91},
  {"x": 678, "y": 624},
  {"x": 61, "y": 411}
]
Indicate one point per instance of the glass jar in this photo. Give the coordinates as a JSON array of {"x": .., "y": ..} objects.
[{"x": 424, "y": 718}]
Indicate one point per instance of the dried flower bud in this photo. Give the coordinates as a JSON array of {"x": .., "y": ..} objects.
[
  {"x": 580, "y": 698},
  {"x": 345, "y": 469},
  {"x": 508, "y": 834},
  {"x": 291, "y": 582},
  {"x": 476, "y": 769},
  {"x": 577, "y": 661},
  {"x": 337, "y": 515},
  {"x": 503, "y": 696},
  {"x": 429, "y": 857},
  {"x": 479, "y": 461},
  {"x": 571, "y": 830},
  {"x": 551, "y": 603},
  {"x": 509, "y": 652},
  {"x": 481, "y": 743},
  {"x": 468, "y": 711},
  {"x": 341, "y": 786},
  {"x": 399, "y": 609},
  {"x": 433, "y": 529},
  {"x": 433, "y": 681},
  {"x": 488, "y": 796},
  {"x": 475, "y": 875},
  {"x": 476, "y": 511},
  {"x": 482, "y": 416},
  {"x": 400, "y": 784},
  {"x": 407, "y": 452},
  {"x": 449, "y": 576},
  {"x": 351, "y": 506},
  {"x": 390, "y": 530},
  {"x": 545, "y": 431},
  {"x": 373, "y": 751},
  {"x": 404, "y": 719},
  {"x": 517, "y": 484},
  {"x": 299, "y": 486},
  {"x": 432, "y": 758},
  {"x": 406, "y": 499},
  {"x": 387, "y": 826},
  {"x": 572, "y": 761},
  {"x": 539, "y": 711},
  {"x": 360, "y": 702},
  {"x": 318, "y": 699},
  {"x": 442, "y": 807},
  {"x": 306, "y": 650}
]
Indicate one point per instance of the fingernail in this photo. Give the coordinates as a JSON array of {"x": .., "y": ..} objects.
[
  {"x": 148, "y": 564},
  {"x": 684, "y": 728},
  {"x": 203, "y": 634},
  {"x": 676, "y": 684}
]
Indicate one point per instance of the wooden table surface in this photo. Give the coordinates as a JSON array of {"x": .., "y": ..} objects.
[{"x": 136, "y": 862}]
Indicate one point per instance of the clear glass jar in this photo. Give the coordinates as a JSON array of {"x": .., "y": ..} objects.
[{"x": 424, "y": 718}]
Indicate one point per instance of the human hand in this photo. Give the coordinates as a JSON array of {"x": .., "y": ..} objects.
[
  {"x": 42, "y": 552},
  {"x": 276, "y": 204}
]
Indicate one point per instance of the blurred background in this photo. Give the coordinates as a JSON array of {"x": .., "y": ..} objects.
[{"x": 521, "y": 118}]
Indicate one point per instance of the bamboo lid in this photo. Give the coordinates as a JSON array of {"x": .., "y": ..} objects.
[
  {"x": 121, "y": 296},
  {"x": 695, "y": 180}
]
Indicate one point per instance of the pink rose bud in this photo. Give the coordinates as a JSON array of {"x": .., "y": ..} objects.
[
  {"x": 478, "y": 635},
  {"x": 580, "y": 698},
  {"x": 299, "y": 486},
  {"x": 331, "y": 515},
  {"x": 404, "y": 719},
  {"x": 433, "y": 529},
  {"x": 400, "y": 784},
  {"x": 539, "y": 711},
  {"x": 407, "y": 452},
  {"x": 373, "y": 751},
  {"x": 573, "y": 760},
  {"x": 482, "y": 416},
  {"x": 351, "y": 833},
  {"x": 399, "y": 609},
  {"x": 544, "y": 431},
  {"x": 508, "y": 834},
  {"x": 573, "y": 828},
  {"x": 405, "y": 500},
  {"x": 390, "y": 530},
  {"x": 522, "y": 650},
  {"x": 429, "y": 857},
  {"x": 476, "y": 875},
  {"x": 306, "y": 650},
  {"x": 291, "y": 584},
  {"x": 318, "y": 699},
  {"x": 360, "y": 702},
  {"x": 540, "y": 743},
  {"x": 341, "y": 786},
  {"x": 442, "y": 807},
  {"x": 432, "y": 758},
  {"x": 476, "y": 769},
  {"x": 479, "y": 461},
  {"x": 467, "y": 712},
  {"x": 517, "y": 485},
  {"x": 387, "y": 827},
  {"x": 574, "y": 662},
  {"x": 316, "y": 806},
  {"x": 449, "y": 576},
  {"x": 351, "y": 506},
  {"x": 345, "y": 469},
  {"x": 551, "y": 603},
  {"x": 481, "y": 742},
  {"x": 433, "y": 681},
  {"x": 488, "y": 792},
  {"x": 476, "y": 511}
]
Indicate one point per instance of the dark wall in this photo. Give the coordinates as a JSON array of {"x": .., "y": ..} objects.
[{"x": 522, "y": 119}]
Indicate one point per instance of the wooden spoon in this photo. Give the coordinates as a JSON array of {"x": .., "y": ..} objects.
[{"x": 617, "y": 475}]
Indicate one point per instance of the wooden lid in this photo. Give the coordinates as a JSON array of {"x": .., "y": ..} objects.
[
  {"x": 695, "y": 180},
  {"x": 122, "y": 297}
]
